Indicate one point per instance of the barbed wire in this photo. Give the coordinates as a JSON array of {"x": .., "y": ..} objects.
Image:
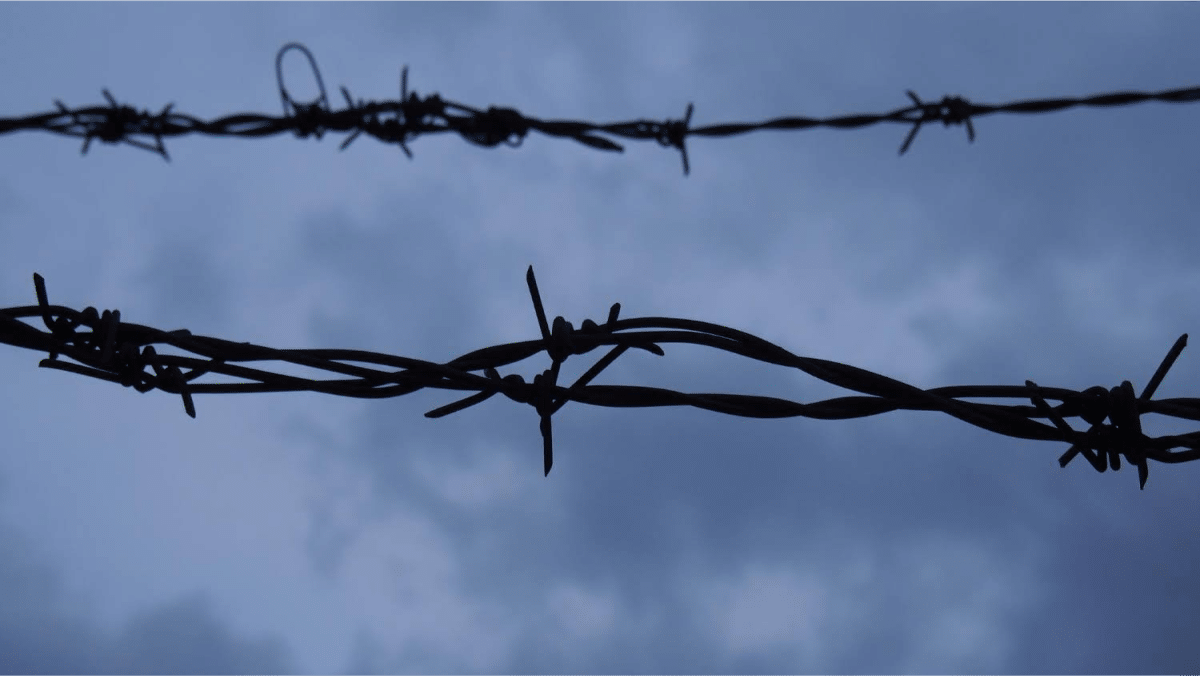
[
  {"x": 402, "y": 121},
  {"x": 118, "y": 351}
]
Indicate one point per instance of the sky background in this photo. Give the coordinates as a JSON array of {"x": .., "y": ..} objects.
[{"x": 301, "y": 532}]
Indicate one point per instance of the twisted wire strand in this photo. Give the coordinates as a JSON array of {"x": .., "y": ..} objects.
[
  {"x": 411, "y": 116},
  {"x": 103, "y": 346}
]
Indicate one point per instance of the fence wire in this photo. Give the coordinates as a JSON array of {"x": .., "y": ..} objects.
[
  {"x": 120, "y": 352},
  {"x": 402, "y": 121},
  {"x": 110, "y": 349}
]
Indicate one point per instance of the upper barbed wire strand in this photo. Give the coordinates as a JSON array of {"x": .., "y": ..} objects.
[{"x": 401, "y": 121}]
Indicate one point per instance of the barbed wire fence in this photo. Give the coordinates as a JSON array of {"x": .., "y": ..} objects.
[{"x": 120, "y": 352}]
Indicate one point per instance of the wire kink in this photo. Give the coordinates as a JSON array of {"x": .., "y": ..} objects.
[
  {"x": 101, "y": 345},
  {"x": 402, "y": 121}
]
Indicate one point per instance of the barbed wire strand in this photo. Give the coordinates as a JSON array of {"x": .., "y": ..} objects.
[
  {"x": 401, "y": 121},
  {"x": 120, "y": 352},
  {"x": 103, "y": 346}
]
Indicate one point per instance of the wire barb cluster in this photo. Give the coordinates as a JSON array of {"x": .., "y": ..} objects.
[
  {"x": 401, "y": 121},
  {"x": 118, "y": 351}
]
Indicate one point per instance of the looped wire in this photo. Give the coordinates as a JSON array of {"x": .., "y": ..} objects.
[{"x": 306, "y": 114}]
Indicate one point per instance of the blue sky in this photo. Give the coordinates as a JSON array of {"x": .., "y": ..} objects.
[{"x": 307, "y": 533}]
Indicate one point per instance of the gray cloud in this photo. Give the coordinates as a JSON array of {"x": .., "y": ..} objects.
[{"x": 41, "y": 632}]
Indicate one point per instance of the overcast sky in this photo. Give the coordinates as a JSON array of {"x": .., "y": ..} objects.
[{"x": 300, "y": 532}]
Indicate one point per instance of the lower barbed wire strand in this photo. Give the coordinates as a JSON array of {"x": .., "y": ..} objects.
[{"x": 103, "y": 346}]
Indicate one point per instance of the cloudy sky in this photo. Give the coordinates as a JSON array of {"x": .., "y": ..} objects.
[{"x": 308, "y": 533}]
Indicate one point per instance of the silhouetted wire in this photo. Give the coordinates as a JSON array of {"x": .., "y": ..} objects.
[
  {"x": 101, "y": 345},
  {"x": 401, "y": 121},
  {"x": 120, "y": 352}
]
